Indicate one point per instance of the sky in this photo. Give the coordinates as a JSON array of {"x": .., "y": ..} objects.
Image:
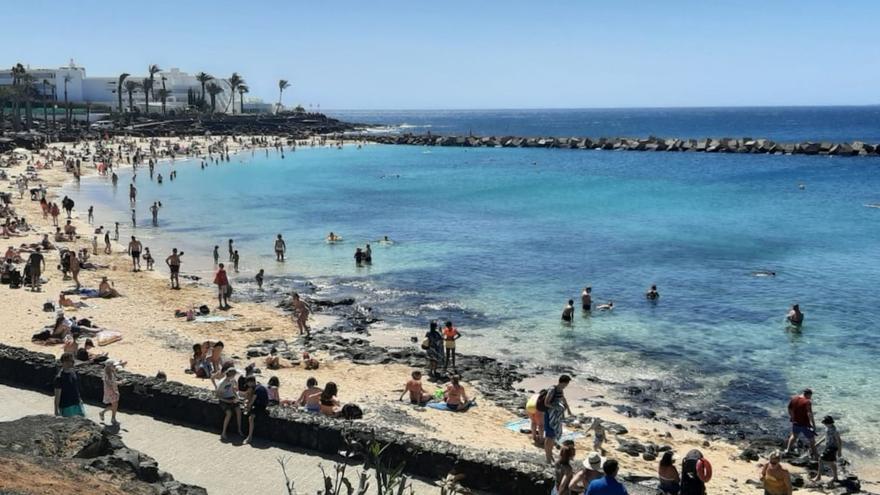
[{"x": 419, "y": 54}]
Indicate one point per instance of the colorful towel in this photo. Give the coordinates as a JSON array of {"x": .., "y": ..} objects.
[
  {"x": 518, "y": 425},
  {"x": 441, "y": 406}
]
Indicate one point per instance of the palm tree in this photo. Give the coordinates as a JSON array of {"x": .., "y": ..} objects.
[
  {"x": 122, "y": 78},
  {"x": 131, "y": 87},
  {"x": 66, "y": 103},
  {"x": 242, "y": 89},
  {"x": 234, "y": 82},
  {"x": 282, "y": 85},
  {"x": 163, "y": 95},
  {"x": 147, "y": 86},
  {"x": 45, "y": 95},
  {"x": 15, "y": 95},
  {"x": 214, "y": 90},
  {"x": 203, "y": 78},
  {"x": 29, "y": 90},
  {"x": 153, "y": 69}
]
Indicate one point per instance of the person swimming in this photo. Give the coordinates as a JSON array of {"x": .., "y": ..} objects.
[
  {"x": 606, "y": 307},
  {"x": 652, "y": 294},
  {"x": 331, "y": 237},
  {"x": 763, "y": 273}
]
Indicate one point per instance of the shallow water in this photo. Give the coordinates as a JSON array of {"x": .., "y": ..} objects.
[{"x": 498, "y": 239}]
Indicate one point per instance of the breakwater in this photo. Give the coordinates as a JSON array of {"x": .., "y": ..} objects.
[{"x": 707, "y": 145}]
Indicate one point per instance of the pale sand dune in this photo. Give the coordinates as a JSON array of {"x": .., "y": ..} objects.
[{"x": 155, "y": 340}]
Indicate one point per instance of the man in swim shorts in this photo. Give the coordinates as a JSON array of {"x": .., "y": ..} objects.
[
  {"x": 134, "y": 249},
  {"x": 568, "y": 311},
  {"x": 587, "y": 299},
  {"x": 173, "y": 262},
  {"x": 800, "y": 412}
]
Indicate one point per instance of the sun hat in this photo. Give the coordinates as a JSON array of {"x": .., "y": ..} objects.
[{"x": 593, "y": 461}]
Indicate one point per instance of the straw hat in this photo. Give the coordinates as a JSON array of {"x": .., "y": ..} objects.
[{"x": 593, "y": 461}]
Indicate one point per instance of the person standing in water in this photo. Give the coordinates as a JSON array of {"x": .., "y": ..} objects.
[
  {"x": 587, "y": 299},
  {"x": 235, "y": 259},
  {"x": 231, "y": 250},
  {"x": 652, "y": 294},
  {"x": 91, "y": 214},
  {"x": 280, "y": 248},
  {"x": 568, "y": 311},
  {"x": 368, "y": 254},
  {"x": 216, "y": 255},
  {"x": 795, "y": 317},
  {"x": 132, "y": 194},
  {"x": 173, "y": 262},
  {"x": 301, "y": 311},
  {"x": 259, "y": 279},
  {"x": 154, "y": 210}
]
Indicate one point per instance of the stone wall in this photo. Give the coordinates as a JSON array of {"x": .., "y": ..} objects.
[
  {"x": 174, "y": 401},
  {"x": 708, "y": 145}
]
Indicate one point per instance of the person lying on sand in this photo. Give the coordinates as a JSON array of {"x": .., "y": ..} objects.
[
  {"x": 106, "y": 290},
  {"x": 417, "y": 393},
  {"x": 275, "y": 362},
  {"x": 66, "y": 302},
  {"x": 87, "y": 353}
]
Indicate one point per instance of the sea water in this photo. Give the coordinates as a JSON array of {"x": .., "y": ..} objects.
[{"x": 497, "y": 240}]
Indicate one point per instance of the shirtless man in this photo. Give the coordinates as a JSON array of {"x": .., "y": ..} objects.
[
  {"x": 280, "y": 248},
  {"x": 74, "y": 269},
  {"x": 301, "y": 310},
  {"x": 417, "y": 393},
  {"x": 310, "y": 398},
  {"x": 568, "y": 312},
  {"x": 231, "y": 250},
  {"x": 154, "y": 210},
  {"x": 587, "y": 299},
  {"x": 173, "y": 263},
  {"x": 795, "y": 317},
  {"x": 132, "y": 193},
  {"x": 134, "y": 250}
]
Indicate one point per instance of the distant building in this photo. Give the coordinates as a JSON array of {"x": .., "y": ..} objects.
[
  {"x": 253, "y": 104},
  {"x": 102, "y": 90}
]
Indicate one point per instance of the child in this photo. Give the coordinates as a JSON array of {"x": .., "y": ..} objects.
[
  {"x": 259, "y": 278},
  {"x": 148, "y": 259},
  {"x": 833, "y": 447},
  {"x": 67, "y": 398},
  {"x": 272, "y": 389},
  {"x": 598, "y": 435},
  {"x": 417, "y": 393},
  {"x": 111, "y": 392}
]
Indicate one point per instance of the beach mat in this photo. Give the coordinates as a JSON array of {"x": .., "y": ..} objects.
[
  {"x": 572, "y": 435},
  {"x": 518, "y": 425},
  {"x": 441, "y": 406},
  {"x": 212, "y": 319}
]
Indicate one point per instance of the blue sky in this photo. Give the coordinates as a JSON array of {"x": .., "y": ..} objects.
[{"x": 478, "y": 54}]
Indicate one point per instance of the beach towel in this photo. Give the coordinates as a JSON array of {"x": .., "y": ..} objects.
[
  {"x": 518, "y": 425},
  {"x": 572, "y": 435},
  {"x": 213, "y": 319},
  {"x": 107, "y": 337},
  {"x": 441, "y": 406}
]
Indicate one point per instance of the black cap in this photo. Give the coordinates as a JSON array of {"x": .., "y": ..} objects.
[{"x": 828, "y": 420}]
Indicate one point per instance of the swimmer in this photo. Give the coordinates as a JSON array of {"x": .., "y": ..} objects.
[
  {"x": 652, "y": 294},
  {"x": 763, "y": 273},
  {"x": 331, "y": 237},
  {"x": 606, "y": 307},
  {"x": 568, "y": 311},
  {"x": 259, "y": 278},
  {"x": 385, "y": 240}
]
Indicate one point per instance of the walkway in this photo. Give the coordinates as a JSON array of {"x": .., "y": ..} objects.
[{"x": 199, "y": 457}]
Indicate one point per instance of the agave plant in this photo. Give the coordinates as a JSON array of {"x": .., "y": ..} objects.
[{"x": 119, "y": 82}]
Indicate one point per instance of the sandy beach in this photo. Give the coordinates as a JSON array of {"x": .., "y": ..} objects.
[{"x": 155, "y": 340}]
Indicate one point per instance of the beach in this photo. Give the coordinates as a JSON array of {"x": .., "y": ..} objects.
[{"x": 155, "y": 340}]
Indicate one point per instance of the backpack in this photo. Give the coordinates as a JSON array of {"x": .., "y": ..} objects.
[
  {"x": 351, "y": 411},
  {"x": 542, "y": 400}
]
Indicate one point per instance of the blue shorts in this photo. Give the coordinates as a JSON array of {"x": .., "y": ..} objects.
[
  {"x": 72, "y": 411},
  {"x": 549, "y": 432},
  {"x": 805, "y": 431}
]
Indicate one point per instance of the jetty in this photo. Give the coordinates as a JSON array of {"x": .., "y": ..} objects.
[{"x": 705, "y": 145}]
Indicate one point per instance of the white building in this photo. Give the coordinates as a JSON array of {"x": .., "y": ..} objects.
[{"x": 103, "y": 90}]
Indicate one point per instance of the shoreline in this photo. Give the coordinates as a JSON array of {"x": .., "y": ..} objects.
[{"x": 394, "y": 368}]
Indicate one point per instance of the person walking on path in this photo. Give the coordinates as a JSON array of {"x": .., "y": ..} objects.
[
  {"x": 111, "y": 392},
  {"x": 280, "y": 248},
  {"x": 222, "y": 283},
  {"x": 800, "y": 412},
  {"x": 67, "y": 397},
  {"x": 173, "y": 262},
  {"x": 555, "y": 406}
]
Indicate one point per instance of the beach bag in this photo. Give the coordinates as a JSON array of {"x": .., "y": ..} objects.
[
  {"x": 228, "y": 290},
  {"x": 426, "y": 344},
  {"x": 203, "y": 309},
  {"x": 85, "y": 322},
  {"x": 351, "y": 411},
  {"x": 542, "y": 400},
  {"x": 14, "y": 279},
  {"x": 48, "y": 307}
]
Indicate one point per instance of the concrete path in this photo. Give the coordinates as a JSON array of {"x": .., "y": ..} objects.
[{"x": 199, "y": 457}]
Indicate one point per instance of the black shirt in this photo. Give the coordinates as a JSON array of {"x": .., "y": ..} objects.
[
  {"x": 35, "y": 260},
  {"x": 68, "y": 382}
]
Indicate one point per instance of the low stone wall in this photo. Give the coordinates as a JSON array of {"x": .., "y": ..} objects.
[
  {"x": 174, "y": 401},
  {"x": 708, "y": 145}
]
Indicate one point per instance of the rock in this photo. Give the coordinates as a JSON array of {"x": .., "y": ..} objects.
[
  {"x": 649, "y": 456},
  {"x": 631, "y": 447}
]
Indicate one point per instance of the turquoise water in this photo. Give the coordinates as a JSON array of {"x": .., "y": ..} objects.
[{"x": 499, "y": 239}]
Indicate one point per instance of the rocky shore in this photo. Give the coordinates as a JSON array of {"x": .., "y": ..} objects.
[
  {"x": 707, "y": 145},
  {"x": 51, "y": 455}
]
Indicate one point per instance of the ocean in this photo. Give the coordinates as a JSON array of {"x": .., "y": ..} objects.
[{"x": 497, "y": 240}]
